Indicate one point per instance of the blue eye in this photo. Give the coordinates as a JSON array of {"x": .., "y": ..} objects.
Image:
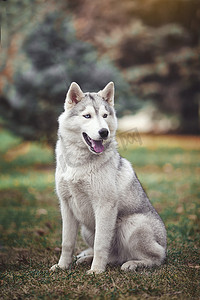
[
  {"x": 88, "y": 116},
  {"x": 105, "y": 116}
]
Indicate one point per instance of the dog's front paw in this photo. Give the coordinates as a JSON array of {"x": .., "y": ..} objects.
[{"x": 95, "y": 271}]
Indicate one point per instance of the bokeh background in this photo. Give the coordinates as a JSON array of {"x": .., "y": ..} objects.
[{"x": 149, "y": 48}]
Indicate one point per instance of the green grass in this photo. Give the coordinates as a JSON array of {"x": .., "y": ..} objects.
[{"x": 30, "y": 226}]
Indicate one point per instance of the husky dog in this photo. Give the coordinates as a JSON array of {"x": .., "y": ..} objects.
[{"x": 99, "y": 190}]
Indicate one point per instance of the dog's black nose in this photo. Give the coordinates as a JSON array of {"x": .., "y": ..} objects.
[{"x": 103, "y": 133}]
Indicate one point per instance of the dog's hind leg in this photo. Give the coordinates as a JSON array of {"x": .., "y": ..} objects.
[
  {"x": 87, "y": 252},
  {"x": 85, "y": 259},
  {"x": 132, "y": 265},
  {"x": 154, "y": 257},
  {"x": 88, "y": 237},
  {"x": 141, "y": 246},
  {"x": 86, "y": 255},
  {"x": 145, "y": 258}
]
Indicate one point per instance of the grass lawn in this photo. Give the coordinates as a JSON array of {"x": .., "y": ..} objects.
[{"x": 30, "y": 224}]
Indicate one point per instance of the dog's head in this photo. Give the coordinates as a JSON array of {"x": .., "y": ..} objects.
[{"x": 93, "y": 116}]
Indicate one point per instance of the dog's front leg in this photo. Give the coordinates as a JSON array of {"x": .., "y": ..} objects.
[
  {"x": 105, "y": 217},
  {"x": 69, "y": 233}
]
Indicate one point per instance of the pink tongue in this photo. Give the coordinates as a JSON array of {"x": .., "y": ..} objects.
[{"x": 97, "y": 145}]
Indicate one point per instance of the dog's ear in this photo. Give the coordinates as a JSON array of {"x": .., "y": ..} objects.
[
  {"x": 74, "y": 95},
  {"x": 108, "y": 93}
]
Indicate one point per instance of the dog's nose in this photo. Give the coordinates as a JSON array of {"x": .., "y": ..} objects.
[{"x": 103, "y": 133}]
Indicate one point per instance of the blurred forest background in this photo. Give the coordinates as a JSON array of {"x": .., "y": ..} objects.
[{"x": 149, "y": 48}]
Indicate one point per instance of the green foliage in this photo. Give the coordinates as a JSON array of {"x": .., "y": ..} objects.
[
  {"x": 163, "y": 68},
  {"x": 54, "y": 58},
  {"x": 156, "y": 44}
]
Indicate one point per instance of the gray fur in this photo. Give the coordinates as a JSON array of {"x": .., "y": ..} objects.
[{"x": 100, "y": 191}]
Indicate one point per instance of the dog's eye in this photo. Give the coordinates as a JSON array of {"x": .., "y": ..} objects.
[
  {"x": 105, "y": 116},
  {"x": 88, "y": 116}
]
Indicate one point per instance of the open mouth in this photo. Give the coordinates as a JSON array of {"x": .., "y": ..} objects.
[{"x": 95, "y": 146}]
